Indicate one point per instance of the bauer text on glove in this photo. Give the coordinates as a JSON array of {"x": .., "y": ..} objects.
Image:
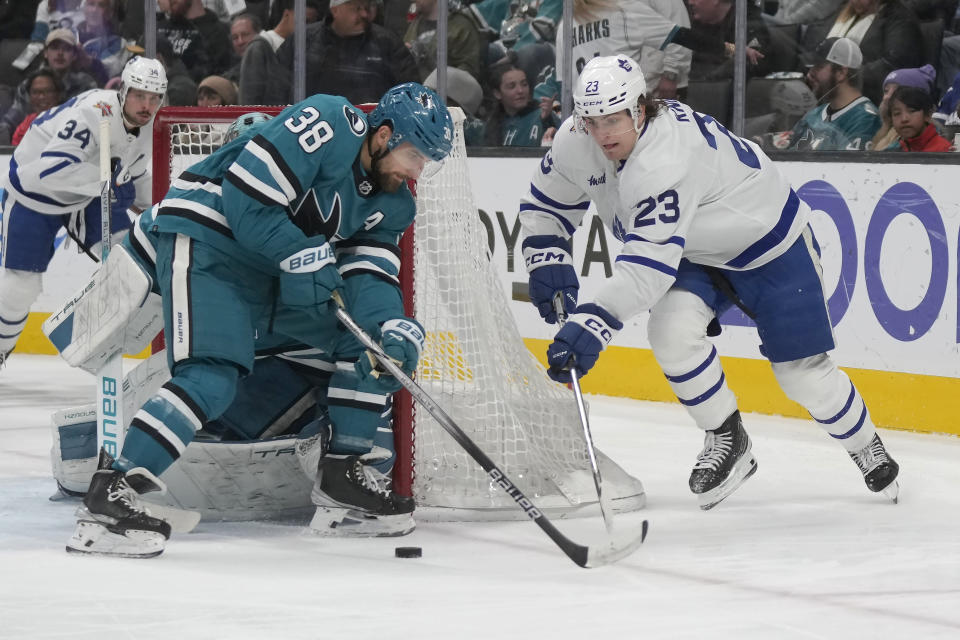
[{"x": 309, "y": 276}]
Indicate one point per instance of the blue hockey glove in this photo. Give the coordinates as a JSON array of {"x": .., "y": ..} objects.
[
  {"x": 122, "y": 195},
  {"x": 309, "y": 276},
  {"x": 402, "y": 340},
  {"x": 579, "y": 343},
  {"x": 551, "y": 271}
]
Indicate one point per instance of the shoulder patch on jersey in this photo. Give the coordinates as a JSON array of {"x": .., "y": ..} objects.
[
  {"x": 105, "y": 108},
  {"x": 358, "y": 123}
]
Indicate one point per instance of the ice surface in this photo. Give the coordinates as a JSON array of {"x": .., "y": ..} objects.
[{"x": 802, "y": 550}]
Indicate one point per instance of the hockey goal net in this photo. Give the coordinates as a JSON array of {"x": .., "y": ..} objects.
[{"x": 475, "y": 363}]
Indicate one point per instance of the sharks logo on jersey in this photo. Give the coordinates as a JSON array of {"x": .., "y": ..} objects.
[{"x": 312, "y": 221}]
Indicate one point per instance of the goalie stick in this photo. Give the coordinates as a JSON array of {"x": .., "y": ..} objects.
[
  {"x": 605, "y": 509},
  {"x": 110, "y": 377},
  {"x": 584, "y": 556}
]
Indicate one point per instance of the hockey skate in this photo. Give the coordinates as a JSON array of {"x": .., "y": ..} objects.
[
  {"x": 113, "y": 521},
  {"x": 878, "y": 468},
  {"x": 353, "y": 500},
  {"x": 724, "y": 464}
]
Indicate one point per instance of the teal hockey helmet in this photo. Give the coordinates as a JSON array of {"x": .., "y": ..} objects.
[
  {"x": 243, "y": 124},
  {"x": 417, "y": 115}
]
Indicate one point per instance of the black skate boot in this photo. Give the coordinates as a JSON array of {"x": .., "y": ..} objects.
[
  {"x": 113, "y": 521},
  {"x": 724, "y": 464},
  {"x": 353, "y": 500},
  {"x": 878, "y": 468}
]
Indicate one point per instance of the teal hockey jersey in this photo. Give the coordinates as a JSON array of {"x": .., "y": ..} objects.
[{"x": 848, "y": 129}]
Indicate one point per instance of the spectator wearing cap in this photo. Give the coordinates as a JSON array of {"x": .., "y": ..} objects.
[
  {"x": 350, "y": 56},
  {"x": 60, "y": 56},
  {"x": 922, "y": 78},
  {"x": 463, "y": 38},
  {"x": 198, "y": 36},
  {"x": 465, "y": 92},
  {"x": 887, "y": 32},
  {"x": 216, "y": 91},
  {"x": 911, "y": 111},
  {"x": 845, "y": 120}
]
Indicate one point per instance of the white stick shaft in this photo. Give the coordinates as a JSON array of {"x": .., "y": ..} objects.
[
  {"x": 606, "y": 510},
  {"x": 110, "y": 377}
]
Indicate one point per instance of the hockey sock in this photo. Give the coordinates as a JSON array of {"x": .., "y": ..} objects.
[{"x": 167, "y": 422}]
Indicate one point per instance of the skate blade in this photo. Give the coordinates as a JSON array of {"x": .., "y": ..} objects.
[
  {"x": 892, "y": 491},
  {"x": 93, "y": 538},
  {"x": 335, "y": 522},
  {"x": 744, "y": 468}
]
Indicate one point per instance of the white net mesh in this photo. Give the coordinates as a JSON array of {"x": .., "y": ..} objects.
[{"x": 477, "y": 367}]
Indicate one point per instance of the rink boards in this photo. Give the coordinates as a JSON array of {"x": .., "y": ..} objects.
[{"x": 889, "y": 238}]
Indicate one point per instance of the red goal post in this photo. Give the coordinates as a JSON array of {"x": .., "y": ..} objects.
[
  {"x": 212, "y": 121},
  {"x": 474, "y": 364}
]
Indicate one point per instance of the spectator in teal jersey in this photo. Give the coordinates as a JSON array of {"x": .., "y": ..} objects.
[
  {"x": 517, "y": 120},
  {"x": 845, "y": 120}
]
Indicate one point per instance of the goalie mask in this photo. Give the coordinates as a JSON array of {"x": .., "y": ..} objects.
[
  {"x": 243, "y": 124},
  {"x": 609, "y": 85}
]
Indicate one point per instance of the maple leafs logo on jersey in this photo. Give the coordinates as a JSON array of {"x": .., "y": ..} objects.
[
  {"x": 105, "y": 108},
  {"x": 311, "y": 219}
]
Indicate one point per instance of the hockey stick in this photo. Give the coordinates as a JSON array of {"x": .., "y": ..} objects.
[
  {"x": 110, "y": 376},
  {"x": 583, "y": 556},
  {"x": 606, "y": 510}
]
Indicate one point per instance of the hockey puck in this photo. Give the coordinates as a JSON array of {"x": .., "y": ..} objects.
[{"x": 408, "y": 552}]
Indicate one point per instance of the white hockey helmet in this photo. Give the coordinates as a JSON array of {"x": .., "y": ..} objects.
[
  {"x": 145, "y": 74},
  {"x": 609, "y": 84}
]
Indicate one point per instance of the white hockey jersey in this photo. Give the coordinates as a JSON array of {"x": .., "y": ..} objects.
[
  {"x": 56, "y": 167},
  {"x": 690, "y": 189},
  {"x": 637, "y": 28}
]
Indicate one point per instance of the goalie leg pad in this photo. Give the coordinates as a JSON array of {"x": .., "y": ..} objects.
[{"x": 113, "y": 311}]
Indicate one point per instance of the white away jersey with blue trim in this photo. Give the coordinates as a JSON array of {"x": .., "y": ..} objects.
[
  {"x": 56, "y": 167},
  {"x": 690, "y": 189}
]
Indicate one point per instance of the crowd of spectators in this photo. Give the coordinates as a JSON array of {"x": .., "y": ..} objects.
[{"x": 822, "y": 74}]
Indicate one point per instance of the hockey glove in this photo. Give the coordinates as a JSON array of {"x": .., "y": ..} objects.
[
  {"x": 402, "y": 340},
  {"x": 579, "y": 343},
  {"x": 122, "y": 195},
  {"x": 309, "y": 277},
  {"x": 551, "y": 271}
]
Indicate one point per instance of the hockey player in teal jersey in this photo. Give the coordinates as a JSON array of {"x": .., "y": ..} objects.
[{"x": 254, "y": 240}]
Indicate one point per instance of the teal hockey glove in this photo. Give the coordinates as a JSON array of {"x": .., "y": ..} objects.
[
  {"x": 402, "y": 340},
  {"x": 309, "y": 277}
]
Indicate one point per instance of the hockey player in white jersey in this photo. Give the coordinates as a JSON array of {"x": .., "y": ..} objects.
[
  {"x": 53, "y": 182},
  {"x": 707, "y": 221}
]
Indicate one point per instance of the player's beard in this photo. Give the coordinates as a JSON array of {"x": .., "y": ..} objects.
[{"x": 389, "y": 182}]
